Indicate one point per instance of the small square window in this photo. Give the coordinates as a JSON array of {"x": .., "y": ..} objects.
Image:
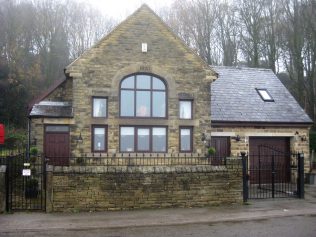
[
  {"x": 99, "y": 107},
  {"x": 99, "y": 139},
  {"x": 265, "y": 95},
  {"x": 185, "y": 109}
]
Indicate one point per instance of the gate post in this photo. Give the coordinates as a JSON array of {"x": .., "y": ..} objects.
[
  {"x": 300, "y": 181},
  {"x": 244, "y": 176},
  {"x": 3, "y": 191},
  {"x": 273, "y": 176},
  {"x": 49, "y": 188}
]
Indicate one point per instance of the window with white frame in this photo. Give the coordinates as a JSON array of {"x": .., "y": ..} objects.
[{"x": 265, "y": 95}]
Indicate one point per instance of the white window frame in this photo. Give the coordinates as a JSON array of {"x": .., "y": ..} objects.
[{"x": 265, "y": 95}]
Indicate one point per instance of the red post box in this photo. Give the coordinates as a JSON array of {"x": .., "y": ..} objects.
[{"x": 1, "y": 133}]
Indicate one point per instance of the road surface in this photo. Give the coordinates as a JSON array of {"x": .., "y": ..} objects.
[{"x": 297, "y": 226}]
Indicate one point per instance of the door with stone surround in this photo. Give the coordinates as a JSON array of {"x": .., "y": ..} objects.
[
  {"x": 222, "y": 150},
  {"x": 57, "y": 145}
]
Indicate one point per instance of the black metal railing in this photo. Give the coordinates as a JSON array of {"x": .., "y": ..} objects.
[
  {"x": 136, "y": 159},
  {"x": 25, "y": 182}
]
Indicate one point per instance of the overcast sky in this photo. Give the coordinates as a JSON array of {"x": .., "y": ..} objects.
[{"x": 120, "y": 9}]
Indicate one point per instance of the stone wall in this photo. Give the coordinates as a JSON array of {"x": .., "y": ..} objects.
[
  {"x": 245, "y": 132},
  {"x": 118, "y": 188},
  {"x": 37, "y": 132}
]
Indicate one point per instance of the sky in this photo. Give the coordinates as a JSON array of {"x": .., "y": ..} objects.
[{"x": 120, "y": 9}]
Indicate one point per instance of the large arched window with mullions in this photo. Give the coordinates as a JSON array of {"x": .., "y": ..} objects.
[{"x": 143, "y": 96}]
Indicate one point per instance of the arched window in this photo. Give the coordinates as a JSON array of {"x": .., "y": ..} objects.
[{"x": 144, "y": 96}]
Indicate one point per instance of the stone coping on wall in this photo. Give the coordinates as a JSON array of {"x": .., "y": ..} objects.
[
  {"x": 134, "y": 155},
  {"x": 143, "y": 169}
]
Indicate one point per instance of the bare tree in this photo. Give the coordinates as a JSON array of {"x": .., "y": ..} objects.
[
  {"x": 38, "y": 38},
  {"x": 85, "y": 26},
  {"x": 228, "y": 33},
  {"x": 271, "y": 28},
  {"x": 250, "y": 13},
  {"x": 194, "y": 21},
  {"x": 309, "y": 54},
  {"x": 179, "y": 19},
  {"x": 293, "y": 43}
]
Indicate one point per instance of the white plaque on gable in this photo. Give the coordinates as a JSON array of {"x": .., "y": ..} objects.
[{"x": 144, "y": 47}]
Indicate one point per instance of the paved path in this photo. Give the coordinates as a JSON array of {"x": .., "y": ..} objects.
[{"x": 256, "y": 210}]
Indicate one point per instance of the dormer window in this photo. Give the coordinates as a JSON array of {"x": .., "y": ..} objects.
[{"x": 265, "y": 95}]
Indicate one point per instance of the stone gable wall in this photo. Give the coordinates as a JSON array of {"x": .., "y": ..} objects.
[
  {"x": 99, "y": 71},
  {"x": 62, "y": 92}
]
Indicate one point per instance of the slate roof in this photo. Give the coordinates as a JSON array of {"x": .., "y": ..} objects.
[
  {"x": 52, "y": 109},
  {"x": 235, "y": 98}
]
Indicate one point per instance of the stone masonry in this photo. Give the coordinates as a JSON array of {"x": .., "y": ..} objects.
[
  {"x": 296, "y": 143},
  {"x": 98, "y": 72},
  {"x": 118, "y": 188}
]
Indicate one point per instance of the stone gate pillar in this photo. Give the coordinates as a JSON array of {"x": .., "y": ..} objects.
[{"x": 2, "y": 188}]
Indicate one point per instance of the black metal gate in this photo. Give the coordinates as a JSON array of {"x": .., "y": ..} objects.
[
  {"x": 271, "y": 173},
  {"x": 25, "y": 183}
]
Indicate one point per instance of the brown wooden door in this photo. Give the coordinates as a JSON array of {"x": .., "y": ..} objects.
[
  {"x": 263, "y": 151},
  {"x": 222, "y": 148},
  {"x": 57, "y": 148}
]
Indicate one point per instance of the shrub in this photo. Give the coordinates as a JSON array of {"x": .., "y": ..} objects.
[
  {"x": 33, "y": 151},
  {"x": 211, "y": 151}
]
